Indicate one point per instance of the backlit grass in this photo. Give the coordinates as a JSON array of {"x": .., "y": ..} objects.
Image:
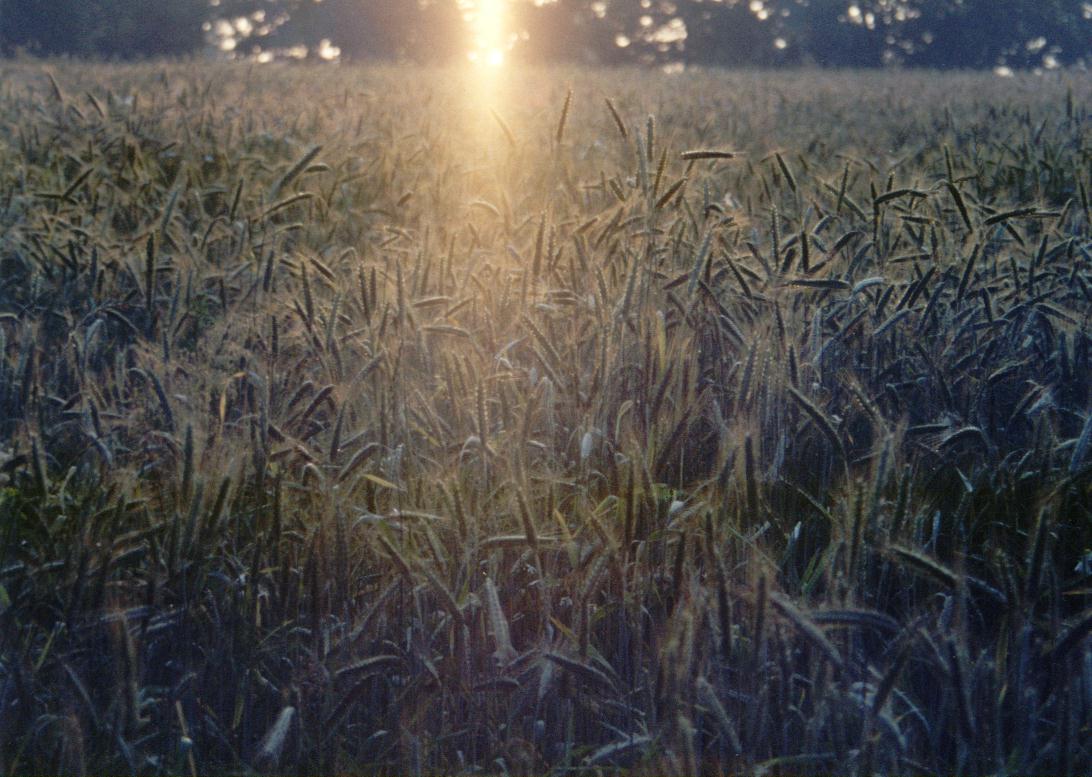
[{"x": 373, "y": 420}]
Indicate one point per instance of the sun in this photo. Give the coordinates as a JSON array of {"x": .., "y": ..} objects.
[{"x": 489, "y": 38}]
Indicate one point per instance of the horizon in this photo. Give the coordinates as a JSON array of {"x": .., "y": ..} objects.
[{"x": 945, "y": 34}]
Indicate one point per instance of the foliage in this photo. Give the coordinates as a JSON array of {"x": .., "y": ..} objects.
[
  {"x": 966, "y": 34},
  {"x": 109, "y": 29},
  {"x": 861, "y": 33}
]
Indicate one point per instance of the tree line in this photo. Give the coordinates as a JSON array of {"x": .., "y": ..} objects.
[{"x": 839, "y": 33}]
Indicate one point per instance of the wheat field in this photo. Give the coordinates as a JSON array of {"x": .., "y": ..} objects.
[{"x": 391, "y": 421}]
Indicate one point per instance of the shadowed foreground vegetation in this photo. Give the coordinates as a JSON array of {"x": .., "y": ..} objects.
[{"x": 349, "y": 425}]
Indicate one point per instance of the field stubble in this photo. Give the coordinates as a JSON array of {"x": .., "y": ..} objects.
[{"x": 360, "y": 420}]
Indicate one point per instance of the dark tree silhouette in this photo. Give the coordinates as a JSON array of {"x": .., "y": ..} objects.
[
  {"x": 567, "y": 30},
  {"x": 104, "y": 28},
  {"x": 729, "y": 34},
  {"x": 44, "y": 26},
  {"x": 732, "y": 33}
]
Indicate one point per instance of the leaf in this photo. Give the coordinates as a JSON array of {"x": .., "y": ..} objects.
[{"x": 382, "y": 482}]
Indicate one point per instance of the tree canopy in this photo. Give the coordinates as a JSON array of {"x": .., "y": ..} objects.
[{"x": 843, "y": 33}]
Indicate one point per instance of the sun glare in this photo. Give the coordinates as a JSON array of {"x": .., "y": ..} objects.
[
  {"x": 489, "y": 38},
  {"x": 489, "y": 42}
]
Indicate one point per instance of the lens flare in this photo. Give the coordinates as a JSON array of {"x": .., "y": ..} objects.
[
  {"x": 489, "y": 37},
  {"x": 489, "y": 42}
]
